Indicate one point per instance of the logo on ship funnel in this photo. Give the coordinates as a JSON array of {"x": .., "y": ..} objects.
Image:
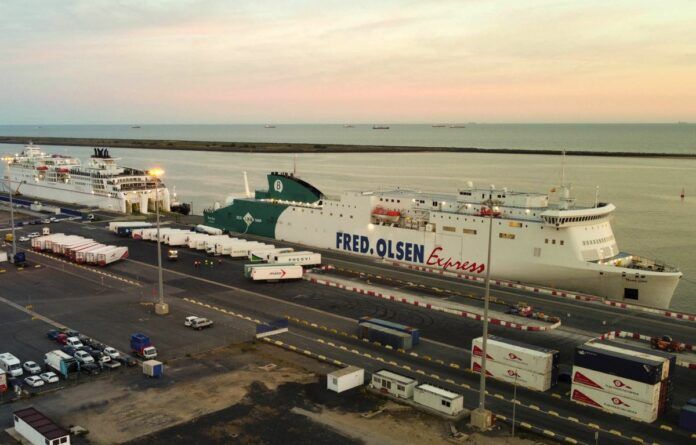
[{"x": 248, "y": 219}]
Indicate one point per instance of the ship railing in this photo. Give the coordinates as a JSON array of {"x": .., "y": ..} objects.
[{"x": 640, "y": 263}]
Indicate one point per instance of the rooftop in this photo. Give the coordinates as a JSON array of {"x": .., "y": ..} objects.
[
  {"x": 439, "y": 391},
  {"x": 41, "y": 423}
]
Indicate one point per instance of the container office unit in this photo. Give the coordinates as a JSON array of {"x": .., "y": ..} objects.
[
  {"x": 344, "y": 379},
  {"x": 38, "y": 429},
  {"x": 393, "y": 383},
  {"x": 438, "y": 399}
]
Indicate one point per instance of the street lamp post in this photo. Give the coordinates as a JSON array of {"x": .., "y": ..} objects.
[
  {"x": 482, "y": 418},
  {"x": 12, "y": 224},
  {"x": 161, "y": 308}
]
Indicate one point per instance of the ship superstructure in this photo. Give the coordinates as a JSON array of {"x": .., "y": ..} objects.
[
  {"x": 101, "y": 182},
  {"x": 561, "y": 244}
]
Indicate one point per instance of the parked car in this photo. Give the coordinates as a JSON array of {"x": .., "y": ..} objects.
[
  {"x": 62, "y": 338},
  {"x": 34, "y": 381},
  {"x": 34, "y": 235},
  {"x": 70, "y": 332},
  {"x": 83, "y": 357},
  {"x": 53, "y": 334},
  {"x": 74, "y": 342},
  {"x": 667, "y": 343},
  {"x": 31, "y": 367},
  {"x": 49, "y": 377},
  {"x": 23, "y": 238},
  {"x": 201, "y": 322},
  {"x": 90, "y": 368},
  {"x": 111, "y": 352}
]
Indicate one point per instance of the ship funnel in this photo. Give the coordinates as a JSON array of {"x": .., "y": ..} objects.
[
  {"x": 246, "y": 186},
  {"x": 470, "y": 184}
]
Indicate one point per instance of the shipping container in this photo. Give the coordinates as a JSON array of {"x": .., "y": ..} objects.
[
  {"x": 63, "y": 249},
  {"x": 111, "y": 256},
  {"x": 687, "y": 418},
  {"x": 249, "y": 267},
  {"x": 39, "y": 243},
  {"x": 642, "y": 392},
  {"x": 142, "y": 234},
  {"x": 414, "y": 332},
  {"x": 517, "y": 354},
  {"x": 193, "y": 238},
  {"x": 439, "y": 399},
  {"x": 114, "y": 226},
  {"x": 71, "y": 252},
  {"x": 671, "y": 359},
  {"x": 344, "y": 379},
  {"x": 178, "y": 238},
  {"x": 395, "y": 339},
  {"x": 57, "y": 245},
  {"x": 241, "y": 250},
  {"x": 207, "y": 229},
  {"x": 210, "y": 240},
  {"x": 620, "y": 405},
  {"x": 621, "y": 364},
  {"x": 511, "y": 374},
  {"x": 91, "y": 255},
  {"x": 276, "y": 273},
  {"x": 153, "y": 368},
  {"x": 299, "y": 258},
  {"x": 393, "y": 383},
  {"x": 173, "y": 233}
]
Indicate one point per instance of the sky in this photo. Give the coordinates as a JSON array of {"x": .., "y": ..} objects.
[{"x": 326, "y": 61}]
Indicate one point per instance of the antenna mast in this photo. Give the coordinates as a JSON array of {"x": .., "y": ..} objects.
[{"x": 294, "y": 164}]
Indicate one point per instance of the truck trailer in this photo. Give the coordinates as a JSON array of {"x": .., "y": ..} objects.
[{"x": 299, "y": 258}]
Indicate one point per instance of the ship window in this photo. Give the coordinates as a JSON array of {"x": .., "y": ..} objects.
[
  {"x": 448, "y": 229},
  {"x": 562, "y": 242},
  {"x": 515, "y": 224},
  {"x": 469, "y": 231},
  {"x": 506, "y": 235},
  {"x": 434, "y": 203},
  {"x": 546, "y": 241},
  {"x": 537, "y": 251},
  {"x": 630, "y": 294}
]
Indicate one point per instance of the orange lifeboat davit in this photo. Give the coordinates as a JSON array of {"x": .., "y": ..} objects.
[{"x": 383, "y": 215}]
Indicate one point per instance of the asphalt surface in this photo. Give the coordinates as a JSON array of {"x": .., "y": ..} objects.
[{"x": 80, "y": 297}]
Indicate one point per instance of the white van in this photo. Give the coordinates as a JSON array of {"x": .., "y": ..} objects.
[{"x": 11, "y": 364}]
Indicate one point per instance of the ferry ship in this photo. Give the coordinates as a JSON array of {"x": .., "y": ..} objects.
[
  {"x": 560, "y": 245},
  {"x": 101, "y": 182}
]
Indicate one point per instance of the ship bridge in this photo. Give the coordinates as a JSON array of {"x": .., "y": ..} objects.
[{"x": 567, "y": 218}]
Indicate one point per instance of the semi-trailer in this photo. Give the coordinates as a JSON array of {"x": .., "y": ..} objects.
[
  {"x": 178, "y": 238},
  {"x": 81, "y": 255},
  {"x": 114, "y": 226},
  {"x": 613, "y": 403},
  {"x": 221, "y": 246},
  {"x": 39, "y": 243},
  {"x": 55, "y": 245},
  {"x": 276, "y": 273},
  {"x": 517, "y": 354},
  {"x": 70, "y": 251},
  {"x": 63, "y": 248},
  {"x": 633, "y": 389},
  {"x": 669, "y": 359},
  {"x": 91, "y": 256},
  {"x": 207, "y": 229},
  {"x": 299, "y": 258},
  {"x": 413, "y": 332},
  {"x": 242, "y": 250},
  {"x": 263, "y": 254},
  {"x": 622, "y": 363},
  {"x": 127, "y": 232},
  {"x": 392, "y": 337},
  {"x": 113, "y": 255},
  {"x": 193, "y": 239},
  {"x": 516, "y": 376}
]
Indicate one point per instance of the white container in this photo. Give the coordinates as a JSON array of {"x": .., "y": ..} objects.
[
  {"x": 72, "y": 252},
  {"x": 193, "y": 238},
  {"x": 111, "y": 256},
  {"x": 642, "y": 392},
  {"x": 65, "y": 248},
  {"x": 209, "y": 242},
  {"x": 298, "y": 258},
  {"x": 438, "y": 399},
  {"x": 263, "y": 254},
  {"x": 3, "y": 256},
  {"x": 56, "y": 245},
  {"x": 621, "y": 405},
  {"x": 393, "y": 383},
  {"x": 517, "y": 356},
  {"x": 178, "y": 239},
  {"x": 522, "y": 377},
  {"x": 345, "y": 379},
  {"x": 91, "y": 255},
  {"x": 271, "y": 273}
]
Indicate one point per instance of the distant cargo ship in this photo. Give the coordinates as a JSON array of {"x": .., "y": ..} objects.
[
  {"x": 100, "y": 183},
  {"x": 380, "y": 127},
  {"x": 534, "y": 241}
]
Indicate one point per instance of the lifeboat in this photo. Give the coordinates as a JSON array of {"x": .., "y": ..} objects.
[
  {"x": 485, "y": 211},
  {"x": 42, "y": 168},
  {"x": 383, "y": 215},
  {"x": 63, "y": 170}
]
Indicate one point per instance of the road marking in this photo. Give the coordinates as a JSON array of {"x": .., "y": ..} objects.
[
  {"x": 593, "y": 425},
  {"x": 616, "y": 432},
  {"x": 570, "y": 440},
  {"x": 534, "y": 407},
  {"x": 526, "y": 425},
  {"x": 573, "y": 419},
  {"x": 637, "y": 439},
  {"x": 549, "y": 433},
  {"x": 553, "y": 413}
]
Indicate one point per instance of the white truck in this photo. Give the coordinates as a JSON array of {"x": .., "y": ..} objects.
[
  {"x": 10, "y": 364},
  {"x": 297, "y": 258},
  {"x": 60, "y": 362}
]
